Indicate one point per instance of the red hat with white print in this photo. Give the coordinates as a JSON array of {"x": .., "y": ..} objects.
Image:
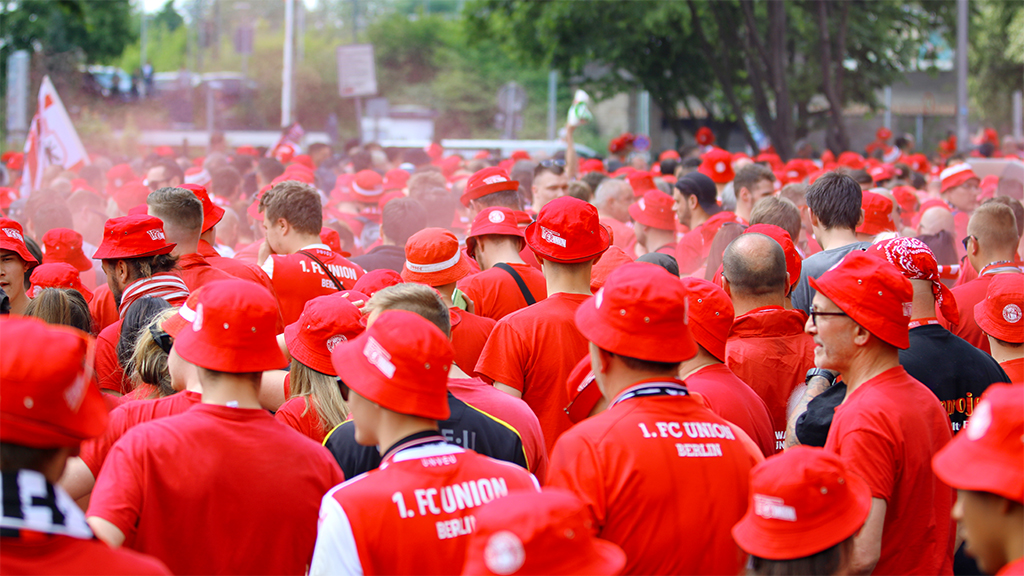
[
  {"x": 395, "y": 179},
  {"x": 1000, "y": 313},
  {"x": 712, "y": 314},
  {"x": 915, "y": 260},
  {"x": 918, "y": 163},
  {"x": 654, "y": 210},
  {"x": 872, "y": 293},
  {"x": 717, "y": 165},
  {"x": 794, "y": 262},
  {"x": 883, "y": 133},
  {"x": 592, "y": 165},
  {"x": 641, "y": 312},
  {"x": 13, "y": 238},
  {"x": 877, "y": 214},
  {"x": 433, "y": 257},
  {"x": 198, "y": 176},
  {"x": 57, "y": 275},
  {"x": 212, "y": 213},
  {"x": 956, "y": 176},
  {"x": 133, "y": 237},
  {"x": 48, "y": 393},
  {"x": 118, "y": 176},
  {"x": 851, "y": 160},
  {"x": 332, "y": 239},
  {"x": 487, "y": 181},
  {"x": 325, "y": 322},
  {"x": 234, "y": 329},
  {"x": 400, "y": 362},
  {"x": 802, "y": 501},
  {"x": 367, "y": 186},
  {"x": 65, "y": 245},
  {"x": 882, "y": 172},
  {"x": 642, "y": 182},
  {"x": 497, "y": 221},
  {"x": 987, "y": 456},
  {"x": 377, "y": 280},
  {"x": 568, "y": 230},
  {"x": 583, "y": 391}
]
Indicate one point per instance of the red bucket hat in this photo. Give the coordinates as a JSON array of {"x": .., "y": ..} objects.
[
  {"x": 65, "y": 245},
  {"x": 133, "y": 237},
  {"x": 325, "y": 322},
  {"x": 212, "y": 213},
  {"x": 48, "y": 396},
  {"x": 654, "y": 210},
  {"x": 873, "y": 293},
  {"x": 377, "y": 280},
  {"x": 57, "y": 275},
  {"x": 497, "y": 221},
  {"x": 545, "y": 532},
  {"x": 712, "y": 314},
  {"x": 987, "y": 456},
  {"x": 906, "y": 196},
  {"x": 641, "y": 312},
  {"x": 918, "y": 163},
  {"x": 395, "y": 179},
  {"x": 915, "y": 260},
  {"x": 882, "y": 172},
  {"x": 1000, "y": 313},
  {"x": 367, "y": 186},
  {"x": 433, "y": 257},
  {"x": 583, "y": 391},
  {"x": 609, "y": 262},
  {"x": 642, "y": 182},
  {"x": 400, "y": 362},
  {"x": 568, "y": 230},
  {"x": 717, "y": 165},
  {"x": 956, "y": 176},
  {"x": 234, "y": 329},
  {"x": 851, "y": 160},
  {"x": 487, "y": 181},
  {"x": 877, "y": 214},
  {"x": 802, "y": 501},
  {"x": 13, "y": 238},
  {"x": 794, "y": 263},
  {"x": 704, "y": 136}
]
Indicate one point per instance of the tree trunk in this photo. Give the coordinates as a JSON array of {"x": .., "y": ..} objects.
[{"x": 836, "y": 131}]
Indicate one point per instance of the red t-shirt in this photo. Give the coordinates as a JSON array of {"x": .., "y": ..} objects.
[
  {"x": 298, "y": 278},
  {"x": 1014, "y": 369},
  {"x": 664, "y": 478},
  {"x": 300, "y": 414},
  {"x": 623, "y": 235},
  {"x": 237, "y": 268},
  {"x": 695, "y": 245},
  {"x": 206, "y": 490},
  {"x": 62, "y": 555},
  {"x": 109, "y": 371},
  {"x": 887, "y": 431},
  {"x": 1015, "y": 568},
  {"x": 534, "y": 350},
  {"x": 103, "y": 308},
  {"x": 469, "y": 334},
  {"x": 508, "y": 409},
  {"x": 967, "y": 297},
  {"x": 769, "y": 350},
  {"x": 128, "y": 415},
  {"x": 195, "y": 271},
  {"x": 729, "y": 397},
  {"x": 495, "y": 293}
]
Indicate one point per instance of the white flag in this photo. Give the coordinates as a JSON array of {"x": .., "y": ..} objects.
[{"x": 52, "y": 138}]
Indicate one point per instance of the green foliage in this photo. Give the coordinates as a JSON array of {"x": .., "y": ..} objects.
[
  {"x": 99, "y": 29},
  {"x": 996, "y": 60}
]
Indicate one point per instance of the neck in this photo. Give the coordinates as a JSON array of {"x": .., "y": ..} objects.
[
  {"x": 186, "y": 247},
  {"x": 1003, "y": 353},
  {"x": 742, "y": 303},
  {"x": 233, "y": 390},
  {"x": 834, "y": 237},
  {"x": 296, "y": 242},
  {"x": 210, "y": 236},
  {"x": 19, "y": 301},
  {"x": 743, "y": 211},
  {"x": 502, "y": 253},
  {"x": 601, "y": 214},
  {"x": 394, "y": 427},
  {"x": 456, "y": 372},
  {"x": 701, "y": 360},
  {"x": 658, "y": 238},
  {"x": 1014, "y": 531},
  {"x": 697, "y": 217},
  {"x": 619, "y": 377},
  {"x": 566, "y": 282},
  {"x": 989, "y": 259},
  {"x": 447, "y": 291},
  {"x": 869, "y": 364},
  {"x": 924, "y": 300}
]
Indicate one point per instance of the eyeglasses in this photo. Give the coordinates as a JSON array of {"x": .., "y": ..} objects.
[
  {"x": 343, "y": 388},
  {"x": 966, "y": 238},
  {"x": 553, "y": 162},
  {"x": 815, "y": 314}
]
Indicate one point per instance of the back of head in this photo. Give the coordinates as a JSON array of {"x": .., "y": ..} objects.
[
  {"x": 755, "y": 265},
  {"x": 795, "y": 193},
  {"x": 295, "y": 202},
  {"x": 609, "y": 190},
  {"x": 777, "y": 211},
  {"x": 147, "y": 363},
  {"x": 422, "y": 181},
  {"x": 522, "y": 172},
  {"x": 61, "y": 306},
  {"x": 416, "y": 298},
  {"x": 181, "y": 212},
  {"x": 401, "y": 218},
  {"x": 1016, "y": 206},
  {"x": 269, "y": 168},
  {"x": 750, "y": 174},
  {"x": 994, "y": 225},
  {"x": 53, "y": 214},
  {"x": 835, "y": 200},
  {"x": 171, "y": 169},
  {"x": 699, "y": 185},
  {"x": 136, "y": 319},
  {"x": 725, "y": 235},
  {"x": 225, "y": 182}
]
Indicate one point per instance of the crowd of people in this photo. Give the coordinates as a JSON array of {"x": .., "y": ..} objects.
[{"x": 388, "y": 361}]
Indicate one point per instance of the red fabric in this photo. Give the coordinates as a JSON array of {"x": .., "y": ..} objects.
[
  {"x": 249, "y": 253},
  {"x": 298, "y": 279},
  {"x": 967, "y": 273},
  {"x": 133, "y": 236},
  {"x": 62, "y": 555},
  {"x": 967, "y": 297},
  {"x": 109, "y": 372},
  {"x": 769, "y": 350},
  {"x": 731, "y": 398},
  {"x": 695, "y": 245},
  {"x": 102, "y": 308},
  {"x": 1015, "y": 568},
  {"x": 533, "y": 351},
  {"x": 636, "y": 485},
  {"x": 510, "y": 410},
  {"x": 495, "y": 293},
  {"x": 129, "y": 415},
  {"x": 469, "y": 335},
  {"x": 669, "y": 249},
  {"x": 622, "y": 234},
  {"x": 1014, "y": 369},
  {"x": 237, "y": 473},
  {"x": 886, "y": 431},
  {"x": 240, "y": 269},
  {"x": 300, "y": 414},
  {"x": 197, "y": 272}
]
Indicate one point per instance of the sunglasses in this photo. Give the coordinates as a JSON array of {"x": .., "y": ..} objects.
[
  {"x": 343, "y": 388},
  {"x": 162, "y": 339},
  {"x": 155, "y": 185},
  {"x": 814, "y": 316},
  {"x": 966, "y": 239}
]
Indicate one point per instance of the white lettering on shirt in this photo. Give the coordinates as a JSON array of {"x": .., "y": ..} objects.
[
  {"x": 699, "y": 450},
  {"x": 455, "y": 528},
  {"x": 454, "y": 497}
]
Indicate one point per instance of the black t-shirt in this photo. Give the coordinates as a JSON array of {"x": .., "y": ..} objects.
[
  {"x": 467, "y": 427},
  {"x": 954, "y": 370},
  {"x": 382, "y": 257}
]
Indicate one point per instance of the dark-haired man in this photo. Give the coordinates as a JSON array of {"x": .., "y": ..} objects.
[
  {"x": 400, "y": 219},
  {"x": 696, "y": 206},
  {"x": 752, "y": 183},
  {"x": 165, "y": 172}
]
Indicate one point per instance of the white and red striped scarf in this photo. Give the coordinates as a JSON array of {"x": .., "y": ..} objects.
[{"x": 168, "y": 286}]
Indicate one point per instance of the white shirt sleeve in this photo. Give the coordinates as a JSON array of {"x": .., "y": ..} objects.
[
  {"x": 335, "y": 550},
  {"x": 268, "y": 266}
]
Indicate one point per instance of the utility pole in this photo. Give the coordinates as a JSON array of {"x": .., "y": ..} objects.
[
  {"x": 355, "y": 40},
  {"x": 286, "y": 72},
  {"x": 962, "y": 17},
  {"x": 552, "y": 104}
]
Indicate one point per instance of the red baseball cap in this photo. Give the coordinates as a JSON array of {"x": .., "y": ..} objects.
[
  {"x": 794, "y": 262},
  {"x": 65, "y": 245},
  {"x": 133, "y": 237},
  {"x": 234, "y": 329},
  {"x": 877, "y": 214},
  {"x": 583, "y": 391},
  {"x": 48, "y": 394},
  {"x": 57, "y": 275},
  {"x": 185, "y": 315},
  {"x": 956, "y": 176},
  {"x": 212, "y": 213},
  {"x": 546, "y": 532},
  {"x": 717, "y": 165},
  {"x": 882, "y": 172},
  {"x": 377, "y": 280},
  {"x": 883, "y": 133},
  {"x": 401, "y": 362},
  {"x": 654, "y": 210},
  {"x": 871, "y": 292},
  {"x": 704, "y": 136},
  {"x": 918, "y": 163},
  {"x": 568, "y": 230},
  {"x": 367, "y": 186},
  {"x": 642, "y": 182},
  {"x": 610, "y": 261},
  {"x": 1000, "y": 313},
  {"x": 433, "y": 257},
  {"x": 802, "y": 501},
  {"x": 592, "y": 165},
  {"x": 641, "y": 312},
  {"x": 987, "y": 456},
  {"x": 325, "y": 322},
  {"x": 712, "y": 314},
  {"x": 497, "y": 221},
  {"x": 13, "y": 238},
  {"x": 851, "y": 160},
  {"x": 915, "y": 260},
  {"x": 487, "y": 181}
]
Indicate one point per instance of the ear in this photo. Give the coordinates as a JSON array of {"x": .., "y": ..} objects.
[
  {"x": 726, "y": 286},
  {"x": 860, "y": 221},
  {"x": 692, "y": 202},
  {"x": 743, "y": 194},
  {"x": 283, "y": 226},
  {"x": 861, "y": 336},
  {"x": 121, "y": 272},
  {"x": 815, "y": 223}
]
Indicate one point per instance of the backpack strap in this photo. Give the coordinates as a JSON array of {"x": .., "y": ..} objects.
[
  {"x": 530, "y": 300},
  {"x": 337, "y": 283}
]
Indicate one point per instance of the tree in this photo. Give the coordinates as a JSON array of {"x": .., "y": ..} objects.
[
  {"x": 100, "y": 30},
  {"x": 996, "y": 60}
]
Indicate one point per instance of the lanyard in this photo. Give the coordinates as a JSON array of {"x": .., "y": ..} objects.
[
  {"x": 418, "y": 439},
  {"x": 922, "y": 322},
  {"x": 655, "y": 388},
  {"x": 999, "y": 268}
]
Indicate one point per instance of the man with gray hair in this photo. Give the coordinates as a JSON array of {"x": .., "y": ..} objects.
[
  {"x": 612, "y": 199},
  {"x": 182, "y": 214}
]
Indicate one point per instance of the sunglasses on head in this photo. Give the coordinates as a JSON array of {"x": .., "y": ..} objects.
[
  {"x": 162, "y": 339},
  {"x": 343, "y": 388}
]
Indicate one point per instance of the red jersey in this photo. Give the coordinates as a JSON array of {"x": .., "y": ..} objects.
[
  {"x": 469, "y": 334},
  {"x": 769, "y": 350},
  {"x": 729, "y": 397},
  {"x": 887, "y": 431},
  {"x": 534, "y": 350},
  {"x": 237, "y": 268},
  {"x": 967, "y": 297},
  {"x": 694, "y": 247},
  {"x": 102, "y": 308},
  {"x": 413, "y": 515},
  {"x": 1015, "y": 568},
  {"x": 300, "y": 414},
  {"x": 195, "y": 271},
  {"x": 298, "y": 278},
  {"x": 235, "y": 472},
  {"x": 64, "y": 555},
  {"x": 623, "y": 235},
  {"x": 109, "y": 372},
  {"x": 1014, "y": 369},
  {"x": 495, "y": 294},
  {"x": 661, "y": 476},
  {"x": 510, "y": 410}
]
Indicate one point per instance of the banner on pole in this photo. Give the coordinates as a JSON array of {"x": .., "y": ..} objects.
[{"x": 52, "y": 139}]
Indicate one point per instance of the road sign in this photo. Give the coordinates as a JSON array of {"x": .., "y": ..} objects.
[
  {"x": 17, "y": 92},
  {"x": 357, "y": 72}
]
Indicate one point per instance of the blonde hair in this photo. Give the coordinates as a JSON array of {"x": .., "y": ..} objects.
[
  {"x": 148, "y": 362},
  {"x": 322, "y": 390}
]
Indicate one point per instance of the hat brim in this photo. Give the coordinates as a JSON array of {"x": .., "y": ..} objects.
[
  {"x": 457, "y": 272},
  {"x": 966, "y": 465},
  {"x": 91, "y": 422},
  {"x": 632, "y": 343},
  {"x": 21, "y": 250},
  {"x": 216, "y": 215},
  {"x": 226, "y": 357},
  {"x": 111, "y": 253},
  {"x": 299, "y": 350},
  {"x": 900, "y": 340},
  {"x": 532, "y": 236},
  {"x": 79, "y": 260},
  {"x": 988, "y": 322},
  {"x": 481, "y": 191}
]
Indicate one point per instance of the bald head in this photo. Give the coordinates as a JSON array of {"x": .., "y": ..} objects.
[
  {"x": 755, "y": 265},
  {"x": 934, "y": 220},
  {"x": 994, "y": 226}
]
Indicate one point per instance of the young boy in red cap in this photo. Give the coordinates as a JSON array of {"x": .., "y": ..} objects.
[
  {"x": 246, "y": 475},
  {"x": 890, "y": 425},
  {"x": 424, "y": 495},
  {"x": 15, "y": 260},
  {"x": 531, "y": 352},
  {"x": 984, "y": 465},
  {"x": 1001, "y": 316},
  {"x": 492, "y": 187},
  {"x": 49, "y": 404},
  {"x": 654, "y": 222}
]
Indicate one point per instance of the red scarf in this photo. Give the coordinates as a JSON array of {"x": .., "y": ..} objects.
[{"x": 167, "y": 285}]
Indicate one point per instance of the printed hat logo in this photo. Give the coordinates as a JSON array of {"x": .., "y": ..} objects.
[
  {"x": 156, "y": 234},
  {"x": 980, "y": 421},
  {"x": 1011, "y": 313},
  {"x": 504, "y": 553},
  {"x": 13, "y": 233},
  {"x": 771, "y": 508},
  {"x": 908, "y": 309},
  {"x": 379, "y": 357},
  {"x": 495, "y": 179},
  {"x": 599, "y": 298},
  {"x": 76, "y": 392},
  {"x": 333, "y": 341},
  {"x": 643, "y": 205},
  {"x": 496, "y": 216},
  {"x": 552, "y": 237},
  {"x": 720, "y": 167}
]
